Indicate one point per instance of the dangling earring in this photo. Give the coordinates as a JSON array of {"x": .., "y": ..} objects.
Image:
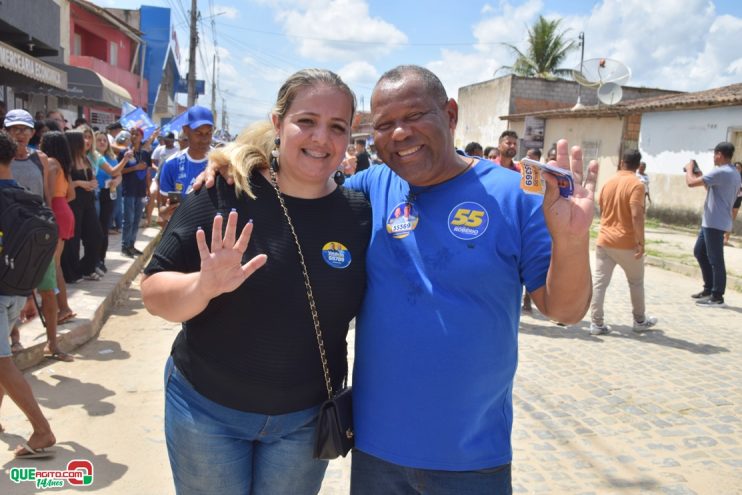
[
  {"x": 274, "y": 154},
  {"x": 339, "y": 177}
]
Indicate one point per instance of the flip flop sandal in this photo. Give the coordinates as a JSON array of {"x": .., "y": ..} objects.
[
  {"x": 29, "y": 453},
  {"x": 60, "y": 356},
  {"x": 66, "y": 318}
]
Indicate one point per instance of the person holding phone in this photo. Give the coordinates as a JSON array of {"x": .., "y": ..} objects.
[
  {"x": 722, "y": 184},
  {"x": 177, "y": 173},
  {"x": 138, "y": 161}
]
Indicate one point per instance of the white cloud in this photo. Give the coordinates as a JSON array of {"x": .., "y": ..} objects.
[
  {"x": 364, "y": 37},
  {"x": 226, "y": 11},
  {"x": 666, "y": 47},
  {"x": 504, "y": 24},
  {"x": 360, "y": 72}
]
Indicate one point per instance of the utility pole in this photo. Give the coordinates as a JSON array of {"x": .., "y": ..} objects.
[
  {"x": 192, "y": 54},
  {"x": 579, "y": 104},
  {"x": 213, "y": 87},
  {"x": 225, "y": 122}
]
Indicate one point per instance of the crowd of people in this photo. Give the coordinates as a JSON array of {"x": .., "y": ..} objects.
[
  {"x": 290, "y": 226},
  {"x": 87, "y": 178}
]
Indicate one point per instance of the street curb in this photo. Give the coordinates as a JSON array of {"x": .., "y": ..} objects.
[
  {"x": 85, "y": 330},
  {"x": 733, "y": 283}
]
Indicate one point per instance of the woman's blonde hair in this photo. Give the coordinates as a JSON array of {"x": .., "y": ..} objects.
[
  {"x": 108, "y": 152},
  {"x": 252, "y": 149},
  {"x": 86, "y": 129}
]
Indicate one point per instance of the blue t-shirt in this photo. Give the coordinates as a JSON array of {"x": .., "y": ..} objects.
[
  {"x": 437, "y": 335},
  {"x": 134, "y": 184},
  {"x": 723, "y": 185},
  {"x": 177, "y": 174},
  {"x": 102, "y": 176}
]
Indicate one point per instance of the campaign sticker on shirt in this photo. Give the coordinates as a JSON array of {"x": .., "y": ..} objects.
[
  {"x": 402, "y": 220},
  {"x": 468, "y": 220},
  {"x": 336, "y": 255}
]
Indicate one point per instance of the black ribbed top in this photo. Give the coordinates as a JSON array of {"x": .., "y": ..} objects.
[{"x": 255, "y": 349}]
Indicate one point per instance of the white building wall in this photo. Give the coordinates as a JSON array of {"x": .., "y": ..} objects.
[
  {"x": 480, "y": 108},
  {"x": 668, "y": 140}
]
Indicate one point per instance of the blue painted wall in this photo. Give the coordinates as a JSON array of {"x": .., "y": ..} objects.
[{"x": 156, "y": 26}]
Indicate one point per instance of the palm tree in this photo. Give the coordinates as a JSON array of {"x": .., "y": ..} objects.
[{"x": 547, "y": 48}]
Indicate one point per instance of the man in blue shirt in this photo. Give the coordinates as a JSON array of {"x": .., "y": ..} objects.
[
  {"x": 722, "y": 185},
  {"x": 177, "y": 174},
  {"x": 454, "y": 239}
]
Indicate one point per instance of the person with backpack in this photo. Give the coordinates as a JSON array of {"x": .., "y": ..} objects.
[
  {"x": 11, "y": 379},
  {"x": 30, "y": 170}
]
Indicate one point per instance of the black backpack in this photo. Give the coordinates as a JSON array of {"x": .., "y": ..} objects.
[{"x": 28, "y": 238}]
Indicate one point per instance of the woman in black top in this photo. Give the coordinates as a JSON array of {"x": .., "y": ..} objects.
[
  {"x": 87, "y": 227},
  {"x": 245, "y": 379}
]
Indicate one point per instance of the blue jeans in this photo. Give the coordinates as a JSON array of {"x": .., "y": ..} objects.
[
  {"x": 222, "y": 451},
  {"x": 371, "y": 475},
  {"x": 133, "y": 208},
  {"x": 709, "y": 252},
  {"x": 10, "y": 308}
]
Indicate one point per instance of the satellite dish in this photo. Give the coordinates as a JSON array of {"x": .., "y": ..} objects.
[
  {"x": 610, "y": 93},
  {"x": 595, "y": 72}
]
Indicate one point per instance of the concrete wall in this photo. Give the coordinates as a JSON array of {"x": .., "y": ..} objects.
[
  {"x": 599, "y": 138},
  {"x": 668, "y": 140},
  {"x": 481, "y": 104},
  {"x": 480, "y": 108}
]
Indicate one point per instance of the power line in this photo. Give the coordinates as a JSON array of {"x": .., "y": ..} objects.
[{"x": 354, "y": 42}]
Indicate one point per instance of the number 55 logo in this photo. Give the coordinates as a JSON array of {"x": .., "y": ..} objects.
[
  {"x": 468, "y": 220},
  {"x": 464, "y": 216}
]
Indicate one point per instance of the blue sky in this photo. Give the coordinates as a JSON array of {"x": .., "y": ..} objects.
[{"x": 673, "y": 44}]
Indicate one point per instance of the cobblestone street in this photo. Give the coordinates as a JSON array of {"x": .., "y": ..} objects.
[
  {"x": 627, "y": 413},
  {"x": 623, "y": 413}
]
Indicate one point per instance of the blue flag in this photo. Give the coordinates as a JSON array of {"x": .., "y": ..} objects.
[
  {"x": 139, "y": 118},
  {"x": 127, "y": 108},
  {"x": 176, "y": 124}
]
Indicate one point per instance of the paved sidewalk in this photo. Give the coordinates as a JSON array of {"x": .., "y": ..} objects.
[
  {"x": 91, "y": 300},
  {"x": 672, "y": 248}
]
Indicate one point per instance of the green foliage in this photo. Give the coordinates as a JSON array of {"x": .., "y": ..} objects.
[{"x": 547, "y": 49}]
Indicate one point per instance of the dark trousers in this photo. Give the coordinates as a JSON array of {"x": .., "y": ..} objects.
[
  {"x": 106, "y": 214},
  {"x": 371, "y": 476},
  {"x": 87, "y": 231},
  {"x": 709, "y": 252}
]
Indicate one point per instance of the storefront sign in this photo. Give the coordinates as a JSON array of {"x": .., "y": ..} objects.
[{"x": 33, "y": 68}]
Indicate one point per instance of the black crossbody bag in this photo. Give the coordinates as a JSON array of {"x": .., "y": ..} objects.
[{"x": 334, "y": 434}]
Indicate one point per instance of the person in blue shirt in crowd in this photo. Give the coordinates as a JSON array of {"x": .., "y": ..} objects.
[
  {"x": 177, "y": 174},
  {"x": 134, "y": 190},
  {"x": 435, "y": 362},
  {"x": 453, "y": 241}
]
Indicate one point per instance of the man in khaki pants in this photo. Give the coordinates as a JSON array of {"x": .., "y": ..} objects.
[{"x": 621, "y": 242}]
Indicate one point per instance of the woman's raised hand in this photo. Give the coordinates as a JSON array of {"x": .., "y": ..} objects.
[{"x": 221, "y": 268}]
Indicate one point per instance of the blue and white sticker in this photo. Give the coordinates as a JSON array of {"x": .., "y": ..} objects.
[
  {"x": 468, "y": 220},
  {"x": 402, "y": 220},
  {"x": 336, "y": 255}
]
